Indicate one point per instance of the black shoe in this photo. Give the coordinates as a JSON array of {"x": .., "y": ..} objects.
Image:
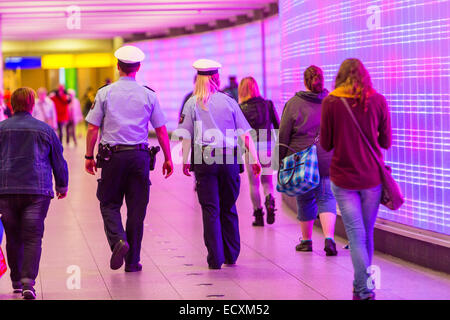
[
  {"x": 304, "y": 246},
  {"x": 270, "y": 208},
  {"x": 259, "y": 218},
  {"x": 119, "y": 252},
  {"x": 17, "y": 287},
  {"x": 215, "y": 267},
  {"x": 370, "y": 297},
  {"x": 330, "y": 247},
  {"x": 28, "y": 293},
  {"x": 133, "y": 267}
]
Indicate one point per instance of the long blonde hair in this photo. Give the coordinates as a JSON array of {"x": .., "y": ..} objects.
[
  {"x": 205, "y": 86},
  {"x": 248, "y": 88}
]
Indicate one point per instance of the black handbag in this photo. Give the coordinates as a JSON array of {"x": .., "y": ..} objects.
[{"x": 391, "y": 196}]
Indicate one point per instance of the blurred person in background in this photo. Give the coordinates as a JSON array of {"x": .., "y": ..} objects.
[
  {"x": 27, "y": 187},
  {"x": 61, "y": 100},
  {"x": 299, "y": 129},
  {"x": 87, "y": 101},
  {"x": 44, "y": 109},
  {"x": 262, "y": 117},
  {"x": 75, "y": 116},
  {"x": 7, "y": 100},
  {"x": 5, "y": 113},
  {"x": 232, "y": 88},
  {"x": 186, "y": 98}
]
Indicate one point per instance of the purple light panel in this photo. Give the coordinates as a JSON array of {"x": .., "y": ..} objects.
[
  {"x": 167, "y": 68},
  {"x": 405, "y": 46}
]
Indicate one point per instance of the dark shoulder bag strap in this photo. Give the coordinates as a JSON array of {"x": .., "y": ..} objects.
[{"x": 362, "y": 133}]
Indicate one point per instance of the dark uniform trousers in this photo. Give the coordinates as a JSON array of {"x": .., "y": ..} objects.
[
  {"x": 218, "y": 189},
  {"x": 125, "y": 175}
]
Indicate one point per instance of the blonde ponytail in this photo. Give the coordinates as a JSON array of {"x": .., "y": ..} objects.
[{"x": 205, "y": 86}]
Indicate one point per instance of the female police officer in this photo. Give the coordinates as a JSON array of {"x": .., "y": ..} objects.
[
  {"x": 123, "y": 110},
  {"x": 215, "y": 122}
]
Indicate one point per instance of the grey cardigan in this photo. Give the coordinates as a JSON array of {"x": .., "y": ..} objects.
[{"x": 300, "y": 124}]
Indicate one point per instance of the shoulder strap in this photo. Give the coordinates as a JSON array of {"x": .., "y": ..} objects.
[
  {"x": 149, "y": 88},
  {"x": 105, "y": 85},
  {"x": 361, "y": 132}
]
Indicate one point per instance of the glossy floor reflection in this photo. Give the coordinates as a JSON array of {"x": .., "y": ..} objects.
[{"x": 174, "y": 256}]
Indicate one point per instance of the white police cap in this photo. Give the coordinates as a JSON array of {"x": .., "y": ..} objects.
[
  {"x": 206, "y": 67},
  {"x": 129, "y": 54}
]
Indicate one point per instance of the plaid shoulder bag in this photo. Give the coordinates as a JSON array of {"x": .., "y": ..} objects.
[{"x": 299, "y": 172}]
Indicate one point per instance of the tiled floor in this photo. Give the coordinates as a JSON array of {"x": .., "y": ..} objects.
[{"x": 174, "y": 256}]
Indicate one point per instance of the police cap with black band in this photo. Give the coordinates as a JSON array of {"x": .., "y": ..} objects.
[{"x": 206, "y": 67}]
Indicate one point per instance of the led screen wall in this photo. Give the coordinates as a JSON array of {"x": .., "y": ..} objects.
[
  {"x": 168, "y": 64},
  {"x": 406, "y": 47}
]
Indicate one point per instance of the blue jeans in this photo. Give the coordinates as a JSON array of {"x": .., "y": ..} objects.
[
  {"x": 23, "y": 218},
  {"x": 359, "y": 209}
]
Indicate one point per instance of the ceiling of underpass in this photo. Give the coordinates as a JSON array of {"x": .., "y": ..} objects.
[{"x": 37, "y": 20}]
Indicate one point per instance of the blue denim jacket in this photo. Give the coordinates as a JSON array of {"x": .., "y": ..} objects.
[{"x": 29, "y": 152}]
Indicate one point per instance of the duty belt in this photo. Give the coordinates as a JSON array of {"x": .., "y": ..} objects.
[{"x": 122, "y": 147}]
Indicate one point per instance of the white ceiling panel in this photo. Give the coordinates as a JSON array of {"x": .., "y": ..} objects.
[{"x": 35, "y": 20}]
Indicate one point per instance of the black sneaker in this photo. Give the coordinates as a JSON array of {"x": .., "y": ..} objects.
[
  {"x": 28, "y": 293},
  {"x": 304, "y": 246},
  {"x": 270, "y": 208},
  {"x": 259, "y": 220},
  {"x": 330, "y": 247}
]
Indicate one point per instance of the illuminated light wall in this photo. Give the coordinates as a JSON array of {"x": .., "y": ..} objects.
[
  {"x": 405, "y": 45},
  {"x": 167, "y": 68}
]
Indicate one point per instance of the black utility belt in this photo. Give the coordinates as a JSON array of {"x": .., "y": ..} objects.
[
  {"x": 123, "y": 147},
  {"x": 105, "y": 152}
]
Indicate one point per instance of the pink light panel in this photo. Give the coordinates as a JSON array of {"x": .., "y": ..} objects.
[
  {"x": 168, "y": 65},
  {"x": 406, "y": 47}
]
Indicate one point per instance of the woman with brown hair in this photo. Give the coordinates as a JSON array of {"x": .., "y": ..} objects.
[
  {"x": 299, "y": 129},
  {"x": 355, "y": 177},
  {"x": 262, "y": 117}
]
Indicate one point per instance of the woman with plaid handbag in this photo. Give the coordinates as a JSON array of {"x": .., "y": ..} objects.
[{"x": 299, "y": 128}]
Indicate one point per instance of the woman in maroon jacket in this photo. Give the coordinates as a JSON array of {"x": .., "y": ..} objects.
[{"x": 354, "y": 173}]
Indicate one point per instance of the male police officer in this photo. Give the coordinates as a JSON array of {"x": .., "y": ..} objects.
[{"x": 123, "y": 109}]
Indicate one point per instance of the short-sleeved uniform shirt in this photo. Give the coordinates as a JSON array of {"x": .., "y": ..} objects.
[
  {"x": 219, "y": 126},
  {"x": 123, "y": 110}
]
